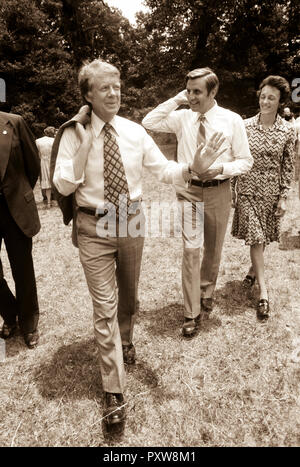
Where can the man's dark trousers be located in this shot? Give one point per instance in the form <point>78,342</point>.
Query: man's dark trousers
<point>18,247</point>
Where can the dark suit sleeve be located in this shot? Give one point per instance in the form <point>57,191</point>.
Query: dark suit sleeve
<point>30,152</point>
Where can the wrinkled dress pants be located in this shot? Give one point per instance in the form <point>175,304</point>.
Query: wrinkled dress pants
<point>202,239</point>
<point>112,268</point>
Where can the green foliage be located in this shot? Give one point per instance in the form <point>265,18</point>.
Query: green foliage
<point>242,40</point>
<point>37,69</point>
<point>44,42</point>
<point>42,45</point>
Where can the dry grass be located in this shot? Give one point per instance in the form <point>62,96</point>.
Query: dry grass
<point>235,384</point>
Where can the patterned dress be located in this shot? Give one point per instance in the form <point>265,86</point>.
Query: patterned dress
<point>270,177</point>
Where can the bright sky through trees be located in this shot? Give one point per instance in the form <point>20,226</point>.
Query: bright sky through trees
<point>128,7</point>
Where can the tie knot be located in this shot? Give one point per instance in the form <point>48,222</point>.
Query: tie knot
<point>107,127</point>
<point>201,118</point>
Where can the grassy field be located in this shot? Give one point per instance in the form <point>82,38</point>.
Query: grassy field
<point>235,384</point>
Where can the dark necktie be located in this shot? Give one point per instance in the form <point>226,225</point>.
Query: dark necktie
<point>201,132</point>
<point>115,183</point>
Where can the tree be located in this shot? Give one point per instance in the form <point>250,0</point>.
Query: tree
<point>242,40</point>
<point>42,46</point>
<point>34,65</point>
<point>44,42</point>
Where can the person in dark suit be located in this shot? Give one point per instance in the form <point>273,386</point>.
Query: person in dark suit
<point>19,222</point>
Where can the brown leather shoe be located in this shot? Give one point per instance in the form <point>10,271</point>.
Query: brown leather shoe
<point>114,410</point>
<point>8,330</point>
<point>190,326</point>
<point>263,309</point>
<point>129,354</point>
<point>31,339</point>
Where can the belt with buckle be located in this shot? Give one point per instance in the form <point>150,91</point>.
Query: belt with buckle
<point>96,213</point>
<point>208,183</point>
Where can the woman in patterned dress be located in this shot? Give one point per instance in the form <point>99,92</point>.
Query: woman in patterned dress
<point>260,195</point>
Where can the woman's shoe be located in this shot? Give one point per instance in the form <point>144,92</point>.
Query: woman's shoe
<point>248,282</point>
<point>263,309</point>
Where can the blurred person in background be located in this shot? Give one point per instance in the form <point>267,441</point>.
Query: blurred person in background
<point>288,115</point>
<point>44,145</point>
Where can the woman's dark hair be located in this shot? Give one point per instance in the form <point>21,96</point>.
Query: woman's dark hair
<point>279,83</point>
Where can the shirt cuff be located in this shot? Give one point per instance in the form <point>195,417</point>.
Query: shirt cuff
<point>227,172</point>
<point>181,175</point>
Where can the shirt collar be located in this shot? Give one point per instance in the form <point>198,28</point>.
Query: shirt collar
<point>279,123</point>
<point>97,124</point>
<point>209,114</point>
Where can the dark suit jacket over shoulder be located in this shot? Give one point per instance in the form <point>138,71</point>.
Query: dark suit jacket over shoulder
<point>66,203</point>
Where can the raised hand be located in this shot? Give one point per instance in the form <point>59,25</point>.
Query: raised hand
<point>84,136</point>
<point>80,158</point>
<point>206,155</point>
<point>181,98</point>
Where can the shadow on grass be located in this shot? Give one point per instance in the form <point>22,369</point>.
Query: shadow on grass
<point>74,373</point>
<point>113,434</point>
<point>233,299</point>
<point>143,373</point>
<point>167,321</point>
<point>289,242</point>
<point>209,324</point>
<point>164,321</point>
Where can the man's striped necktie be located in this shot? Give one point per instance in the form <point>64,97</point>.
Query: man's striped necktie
<point>201,132</point>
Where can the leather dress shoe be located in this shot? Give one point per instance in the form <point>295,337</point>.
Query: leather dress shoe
<point>248,281</point>
<point>8,330</point>
<point>263,309</point>
<point>190,326</point>
<point>31,339</point>
<point>114,410</point>
<point>129,354</point>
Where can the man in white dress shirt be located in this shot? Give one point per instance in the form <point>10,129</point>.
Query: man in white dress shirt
<point>212,188</point>
<point>84,166</point>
